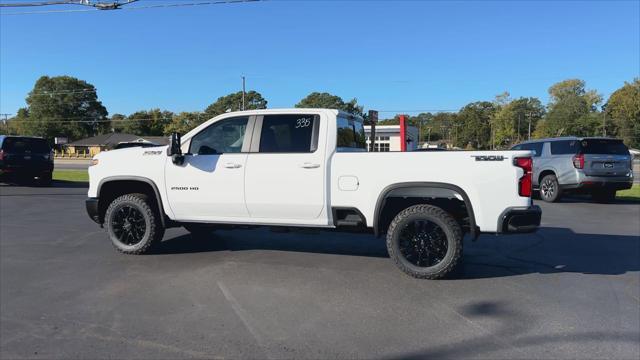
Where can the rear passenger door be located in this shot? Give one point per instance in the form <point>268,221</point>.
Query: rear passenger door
<point>285,173</point>
<point>562,153</point>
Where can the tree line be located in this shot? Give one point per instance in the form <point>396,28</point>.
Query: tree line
<point>66,106</point>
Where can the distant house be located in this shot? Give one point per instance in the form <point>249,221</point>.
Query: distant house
<point>96,144</point>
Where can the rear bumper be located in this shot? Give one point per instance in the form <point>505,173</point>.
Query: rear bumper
<point>520,220</point>
<point>92,209</point>
<point>26,170</point>
<point>599,183</point>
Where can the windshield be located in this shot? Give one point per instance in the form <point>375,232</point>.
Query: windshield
<point>21,145</point>
<point>603,146</point>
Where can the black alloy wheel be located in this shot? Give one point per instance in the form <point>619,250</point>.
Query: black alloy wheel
<point>129,225</point>
<point>423,243</point>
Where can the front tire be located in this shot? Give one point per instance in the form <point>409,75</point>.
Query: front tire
<point>132,224</point>
<point>550,189</point>
<point>425,242</point>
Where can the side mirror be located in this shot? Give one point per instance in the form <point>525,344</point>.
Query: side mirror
<point>174,150</point>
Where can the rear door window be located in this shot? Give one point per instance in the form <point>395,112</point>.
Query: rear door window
<point>603,146</point>
<point>565,147</point>
<point>536,147</point>
<point>23,145</point>
<point>289,133</point>
<point>351,135</point>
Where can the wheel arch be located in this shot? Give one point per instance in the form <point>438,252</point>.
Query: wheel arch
<point>426,188</point>
<point>546,172</point>
<point>111,187</point>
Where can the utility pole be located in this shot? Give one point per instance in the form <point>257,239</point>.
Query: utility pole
<point>604,123</point>
<point>4,121</point>
<point>519,117</point>
<point>529,136</point>
<point>243,91</point>
<point>493,136</point>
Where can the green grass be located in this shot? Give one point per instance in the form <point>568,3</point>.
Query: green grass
<point>71,175</point>
<point>630,194</point>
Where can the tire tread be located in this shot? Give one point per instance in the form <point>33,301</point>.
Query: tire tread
<point>156,231</point>
<point>449,221</point>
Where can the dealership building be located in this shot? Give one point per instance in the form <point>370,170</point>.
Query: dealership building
<point>389,137</point>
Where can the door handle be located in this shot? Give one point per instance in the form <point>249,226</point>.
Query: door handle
<point>310,166</point>
<point>232,165</point>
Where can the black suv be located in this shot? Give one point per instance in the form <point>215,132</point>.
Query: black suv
<point>25,158</point>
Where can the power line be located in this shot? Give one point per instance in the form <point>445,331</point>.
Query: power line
<point>42,3</point>
<point>118,6</point>
<point>100,5</point>
<point>219,2</point>
<point>59,121</point>
<point>418,110</point>
<point>56,92</point>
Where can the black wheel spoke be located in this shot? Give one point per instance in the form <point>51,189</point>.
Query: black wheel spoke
<point>128,225</point>
<point>423,243</point>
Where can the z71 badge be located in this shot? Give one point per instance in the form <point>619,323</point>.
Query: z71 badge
<point>489,157</point>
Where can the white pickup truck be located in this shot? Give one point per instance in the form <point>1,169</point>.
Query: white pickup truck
<point>310,168</point>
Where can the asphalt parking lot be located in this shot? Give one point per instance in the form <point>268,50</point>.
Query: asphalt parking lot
<point>572,290</point>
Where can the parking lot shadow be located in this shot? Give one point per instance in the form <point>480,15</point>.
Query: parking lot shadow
<point>262,239</point>
<point>551,250</point>
<point>585,198</point>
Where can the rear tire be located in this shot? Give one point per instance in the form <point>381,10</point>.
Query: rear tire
<point>132,224</point>
<point>603,195</point>
<point>45,180</point>
<point>425,242</point>
<point>550,189</point>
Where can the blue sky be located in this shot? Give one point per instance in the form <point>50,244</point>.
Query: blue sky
<point>391,55</point>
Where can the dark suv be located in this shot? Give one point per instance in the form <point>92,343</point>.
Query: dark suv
<point>596,165</point>
<point>25,158</point>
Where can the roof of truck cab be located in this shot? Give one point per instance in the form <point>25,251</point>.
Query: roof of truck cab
<point>287,111</point>
<point>579,138</point>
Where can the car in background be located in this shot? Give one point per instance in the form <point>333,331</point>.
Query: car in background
<point>25,158</point>
<point>596,165</point>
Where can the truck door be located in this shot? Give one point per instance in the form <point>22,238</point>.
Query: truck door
<point>285,176</point>
<point>210,183</point>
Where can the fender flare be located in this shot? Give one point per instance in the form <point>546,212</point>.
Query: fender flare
<point>382,198</point>
<point>552,169</point>
<point>148,181</point>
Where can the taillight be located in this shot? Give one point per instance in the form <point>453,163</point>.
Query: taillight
<point>578,161</point>
<point>524,184</point>
<point>1,154</point>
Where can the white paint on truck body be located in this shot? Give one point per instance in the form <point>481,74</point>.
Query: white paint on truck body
<point>300,189</point>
